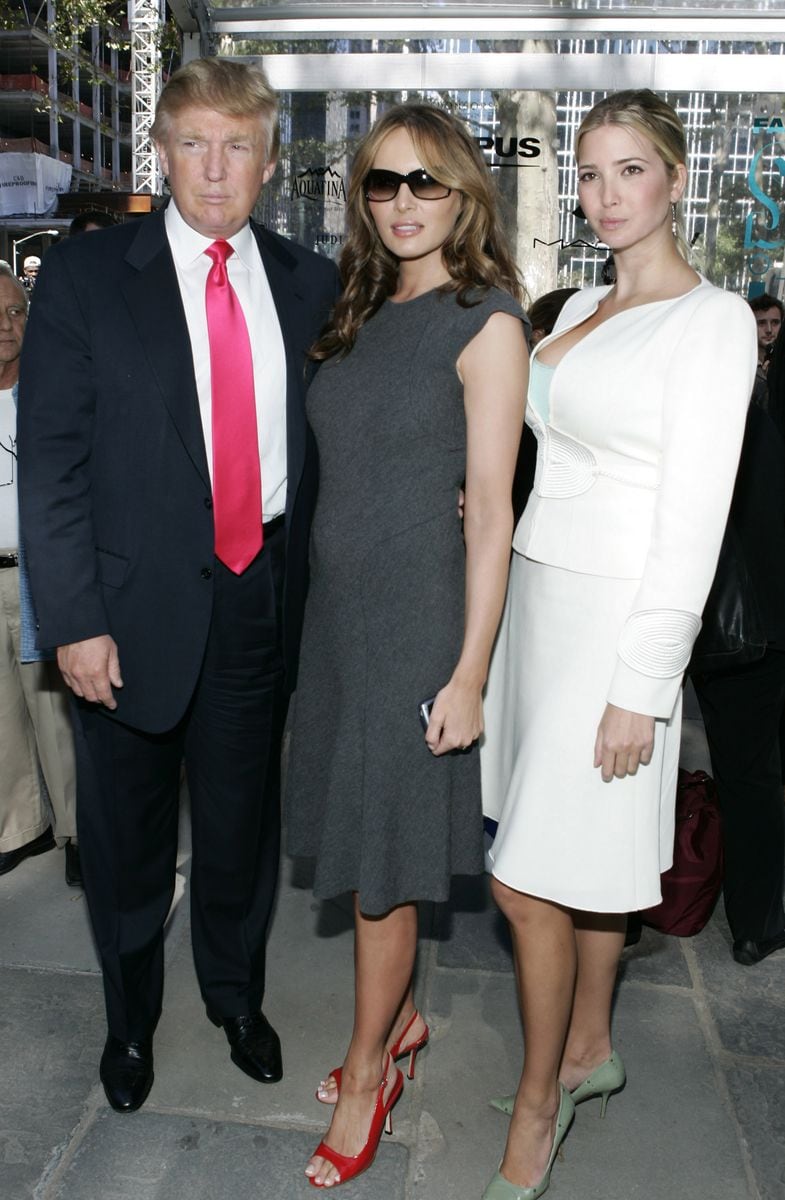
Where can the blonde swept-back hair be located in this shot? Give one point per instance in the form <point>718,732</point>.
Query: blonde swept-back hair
<point>646,113</point>
<point>476,253</point>
<point>234,88</point>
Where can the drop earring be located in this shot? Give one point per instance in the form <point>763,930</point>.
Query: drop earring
<point>674,221</point>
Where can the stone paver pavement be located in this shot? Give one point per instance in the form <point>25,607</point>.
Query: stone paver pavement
<point>702,1116</point>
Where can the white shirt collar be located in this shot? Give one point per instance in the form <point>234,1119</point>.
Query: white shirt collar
<point>187,244</point>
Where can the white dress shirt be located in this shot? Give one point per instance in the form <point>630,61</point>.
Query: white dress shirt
<point>248,278</point>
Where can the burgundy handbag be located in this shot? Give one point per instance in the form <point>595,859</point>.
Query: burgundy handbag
<point>691,887</point>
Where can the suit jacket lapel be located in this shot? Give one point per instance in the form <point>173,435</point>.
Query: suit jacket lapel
<point>289,298</point>
<point>153,297</point>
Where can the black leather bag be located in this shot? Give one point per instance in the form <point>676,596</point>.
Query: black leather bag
<point>732,633</point>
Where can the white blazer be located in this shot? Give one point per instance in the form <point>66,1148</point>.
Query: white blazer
<point>636,466</point>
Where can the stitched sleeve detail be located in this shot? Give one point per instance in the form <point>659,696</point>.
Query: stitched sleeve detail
<point>658,642</point>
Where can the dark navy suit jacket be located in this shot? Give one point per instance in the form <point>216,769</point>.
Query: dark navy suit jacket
<point>114,487</point>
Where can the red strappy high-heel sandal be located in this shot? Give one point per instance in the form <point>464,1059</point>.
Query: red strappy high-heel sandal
<point>397,1050</point>
<point>349,1166</point>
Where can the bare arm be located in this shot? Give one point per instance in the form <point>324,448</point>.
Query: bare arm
<point>494,370</point>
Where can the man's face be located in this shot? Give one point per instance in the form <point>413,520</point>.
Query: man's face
<point>31,271</point>
<point>216,165</point>
<point>768,322</point>
<point>13,316</point>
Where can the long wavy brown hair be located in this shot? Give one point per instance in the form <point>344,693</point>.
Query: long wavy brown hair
<point>476,253</point>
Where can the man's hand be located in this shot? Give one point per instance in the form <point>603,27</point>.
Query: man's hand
<point>91,669</point>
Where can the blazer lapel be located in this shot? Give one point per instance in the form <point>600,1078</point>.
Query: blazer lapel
<point>153,297</point>
<point>533,418</point>
<point>290,303</point>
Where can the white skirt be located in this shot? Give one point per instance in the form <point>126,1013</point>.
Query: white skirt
<point>563,834</point>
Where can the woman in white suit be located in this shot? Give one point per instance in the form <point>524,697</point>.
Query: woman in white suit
<point>638,401</point>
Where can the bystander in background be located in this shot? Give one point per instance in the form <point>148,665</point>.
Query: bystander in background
<point>768,312</point>
<point>90,220</point>
<point>36,745</point>
<point>742,697</point>
<point>30,269</point>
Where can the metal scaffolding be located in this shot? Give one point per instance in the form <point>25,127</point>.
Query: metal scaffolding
<point>144,20</point>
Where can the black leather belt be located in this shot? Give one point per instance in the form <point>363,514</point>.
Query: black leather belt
<point>12,560</point>
<point>270,527</point>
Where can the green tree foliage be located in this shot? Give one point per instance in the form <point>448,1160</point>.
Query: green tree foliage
<point>73,21</point>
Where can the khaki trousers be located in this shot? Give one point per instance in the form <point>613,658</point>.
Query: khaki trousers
<point>36,743</point>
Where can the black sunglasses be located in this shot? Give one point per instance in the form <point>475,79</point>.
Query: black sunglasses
<point>384,185</point>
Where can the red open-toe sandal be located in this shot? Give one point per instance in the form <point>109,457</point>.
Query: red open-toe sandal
<point>351,1165</point>
<point>399,1049</point>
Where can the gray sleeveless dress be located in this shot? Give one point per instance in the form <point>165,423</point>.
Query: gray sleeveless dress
<point>385,613</point>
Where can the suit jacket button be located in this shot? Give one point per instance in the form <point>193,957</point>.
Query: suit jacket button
<point>206,572</point>
<point>208,502</point>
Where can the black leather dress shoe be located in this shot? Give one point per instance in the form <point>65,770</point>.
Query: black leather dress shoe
<point>127,1073</point>
<point>749,953</point>
<point>256,1047</point>
<point>12,858</point>
<point>73,867</point>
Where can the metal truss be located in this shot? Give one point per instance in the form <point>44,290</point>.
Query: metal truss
<point>144,19</point>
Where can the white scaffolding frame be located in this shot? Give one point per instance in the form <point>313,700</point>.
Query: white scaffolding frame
<point>144,21</point>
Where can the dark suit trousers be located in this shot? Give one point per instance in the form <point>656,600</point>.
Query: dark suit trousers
<point>741,711</point>
<point>127,807</point>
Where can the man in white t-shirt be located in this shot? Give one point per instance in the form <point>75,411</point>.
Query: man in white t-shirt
<point>30,268</point>
<point>36,744</point>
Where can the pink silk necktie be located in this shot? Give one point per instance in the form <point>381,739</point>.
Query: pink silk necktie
<point>237,475</point>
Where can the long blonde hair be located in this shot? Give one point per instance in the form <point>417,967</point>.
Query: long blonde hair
<point>646,113</point>
<point>475,254</point>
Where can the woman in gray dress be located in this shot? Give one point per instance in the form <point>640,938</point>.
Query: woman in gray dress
<point>422,385</point>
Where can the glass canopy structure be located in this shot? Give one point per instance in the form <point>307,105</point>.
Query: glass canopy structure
<point>522,76</point>
<point>436,19</point>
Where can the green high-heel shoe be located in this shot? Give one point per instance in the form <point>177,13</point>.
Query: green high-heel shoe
<point>503,1104</point>
<point>608,1077</point>
<point>501,1189</point>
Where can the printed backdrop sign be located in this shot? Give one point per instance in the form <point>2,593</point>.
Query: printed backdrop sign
<point>30,183</point>
<point>764,231</point>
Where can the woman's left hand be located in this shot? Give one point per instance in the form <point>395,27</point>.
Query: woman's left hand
<point>456,718</point>
<point>625,741</point>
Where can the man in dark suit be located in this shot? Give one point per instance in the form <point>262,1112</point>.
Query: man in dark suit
<point>167,482</point>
